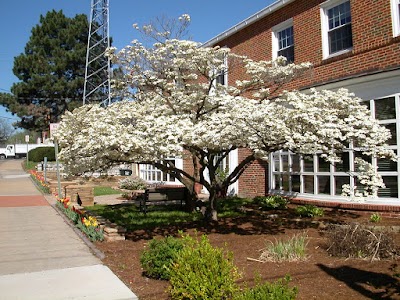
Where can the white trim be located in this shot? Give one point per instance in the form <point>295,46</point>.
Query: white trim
<point>275,30</point>
<point>395,7</point>
<point>147,171</point>
<point>247,22</point>
<point>324,7</point>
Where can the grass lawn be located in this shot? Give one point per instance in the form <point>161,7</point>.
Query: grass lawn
<point>105,190</point>
<point>131,218</point>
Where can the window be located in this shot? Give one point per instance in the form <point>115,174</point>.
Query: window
<point>336,27</point>
<point>311,176</point>
<point>283,41</point>
<point>152,174</point>
<point>396,17</point>
<point>222,74</point>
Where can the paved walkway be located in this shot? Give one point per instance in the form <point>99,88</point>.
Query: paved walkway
<point>41,256</point>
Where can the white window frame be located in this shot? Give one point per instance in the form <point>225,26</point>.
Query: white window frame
<point>275,39</point>
<point>325,28</point>
<point>395,8</point>
<point>150,173</point>
<point>225,72</point>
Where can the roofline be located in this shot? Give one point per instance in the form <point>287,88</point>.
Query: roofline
<point>247,22</point>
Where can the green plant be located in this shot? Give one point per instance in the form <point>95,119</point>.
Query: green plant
<point>293,249</point>
<point>278,290</point>
<point>39,181</point>
<point>272,202</point>
<point>309,211</point>
<point>201,271</point>
<point>375,218</point>
<point>38,154</point>
<point>132,183</point>
<point>157,259</point>
<point>88,225</point>
<point>104,190</point>
<point>93,232</point>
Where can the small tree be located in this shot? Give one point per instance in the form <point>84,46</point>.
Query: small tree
<point>176,107</point>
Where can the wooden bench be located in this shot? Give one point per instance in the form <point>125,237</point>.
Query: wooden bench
<point>162,196</point>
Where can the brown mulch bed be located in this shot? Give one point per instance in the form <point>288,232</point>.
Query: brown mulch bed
<point>319,277</point>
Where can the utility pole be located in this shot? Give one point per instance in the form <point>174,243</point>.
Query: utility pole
<point>98,67</point>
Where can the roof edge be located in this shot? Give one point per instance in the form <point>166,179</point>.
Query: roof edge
<point>247,22</point>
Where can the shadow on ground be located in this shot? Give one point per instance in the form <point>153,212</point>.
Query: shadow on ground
<point>383,285</point>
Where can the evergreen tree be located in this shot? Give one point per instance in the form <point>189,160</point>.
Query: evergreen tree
<point>51,71</point>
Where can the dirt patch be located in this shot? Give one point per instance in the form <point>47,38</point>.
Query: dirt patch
<point>320,277</point>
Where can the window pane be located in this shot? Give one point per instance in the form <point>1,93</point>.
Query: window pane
<point>392,128</point>
<point>308,184</point>
<point>296,183</point>
<point>339,182</point>
<point>390,191</point>
<point>343,166</point>
<point>367,104</point>
<point>339,15</point>
<point>285,182</point>
<point>275,157</point>
<point>308,164</point>
<point>286,44</point>
<point>340,33</point>
<point>340,39</point>
<point>288,53</point>
<point>323,165</point>
<point>324,186</point>
<point>295,163</point>
<point>277,178</point>
<point>386,165</point>
<point>385,109</point>
<point>285,163</point>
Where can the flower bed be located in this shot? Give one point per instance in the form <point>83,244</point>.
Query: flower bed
<point>87,224</point>
<point>40,182</point>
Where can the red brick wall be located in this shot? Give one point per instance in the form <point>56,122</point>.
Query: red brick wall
<point>253,181</point>
<point>374,49</point>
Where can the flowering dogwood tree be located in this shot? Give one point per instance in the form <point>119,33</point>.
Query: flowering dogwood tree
<point>175,107</point>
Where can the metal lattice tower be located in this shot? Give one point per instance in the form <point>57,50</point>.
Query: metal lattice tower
<point>98,67</point>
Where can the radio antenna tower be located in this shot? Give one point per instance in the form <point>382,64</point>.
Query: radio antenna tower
<point>98,67</point>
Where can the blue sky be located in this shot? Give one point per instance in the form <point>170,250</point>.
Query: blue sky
<point>208,19</point>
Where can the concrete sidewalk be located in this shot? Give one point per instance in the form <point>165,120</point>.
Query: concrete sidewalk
<point>41,256</point>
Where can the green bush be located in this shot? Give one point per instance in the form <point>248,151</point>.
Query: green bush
<point>203,272</point>
<point>309,211</point>
<point>38,154</point>
<point>158,258</point>
<point>375,218</point>
<point>272,202</point>
<point>278,290</point>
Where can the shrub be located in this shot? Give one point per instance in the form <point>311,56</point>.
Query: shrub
<point>375,218</point>
<point>158,258</point>
<point>309,211</point>
<point>278,290</point>
<point>360,242</point>
<point>38,154</point>
<point>132,183</point>
<point>203,272</point>
<point>290,250</point>
<point>272,202</point>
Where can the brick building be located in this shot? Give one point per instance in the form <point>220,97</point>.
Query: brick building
<point>354,44</point>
